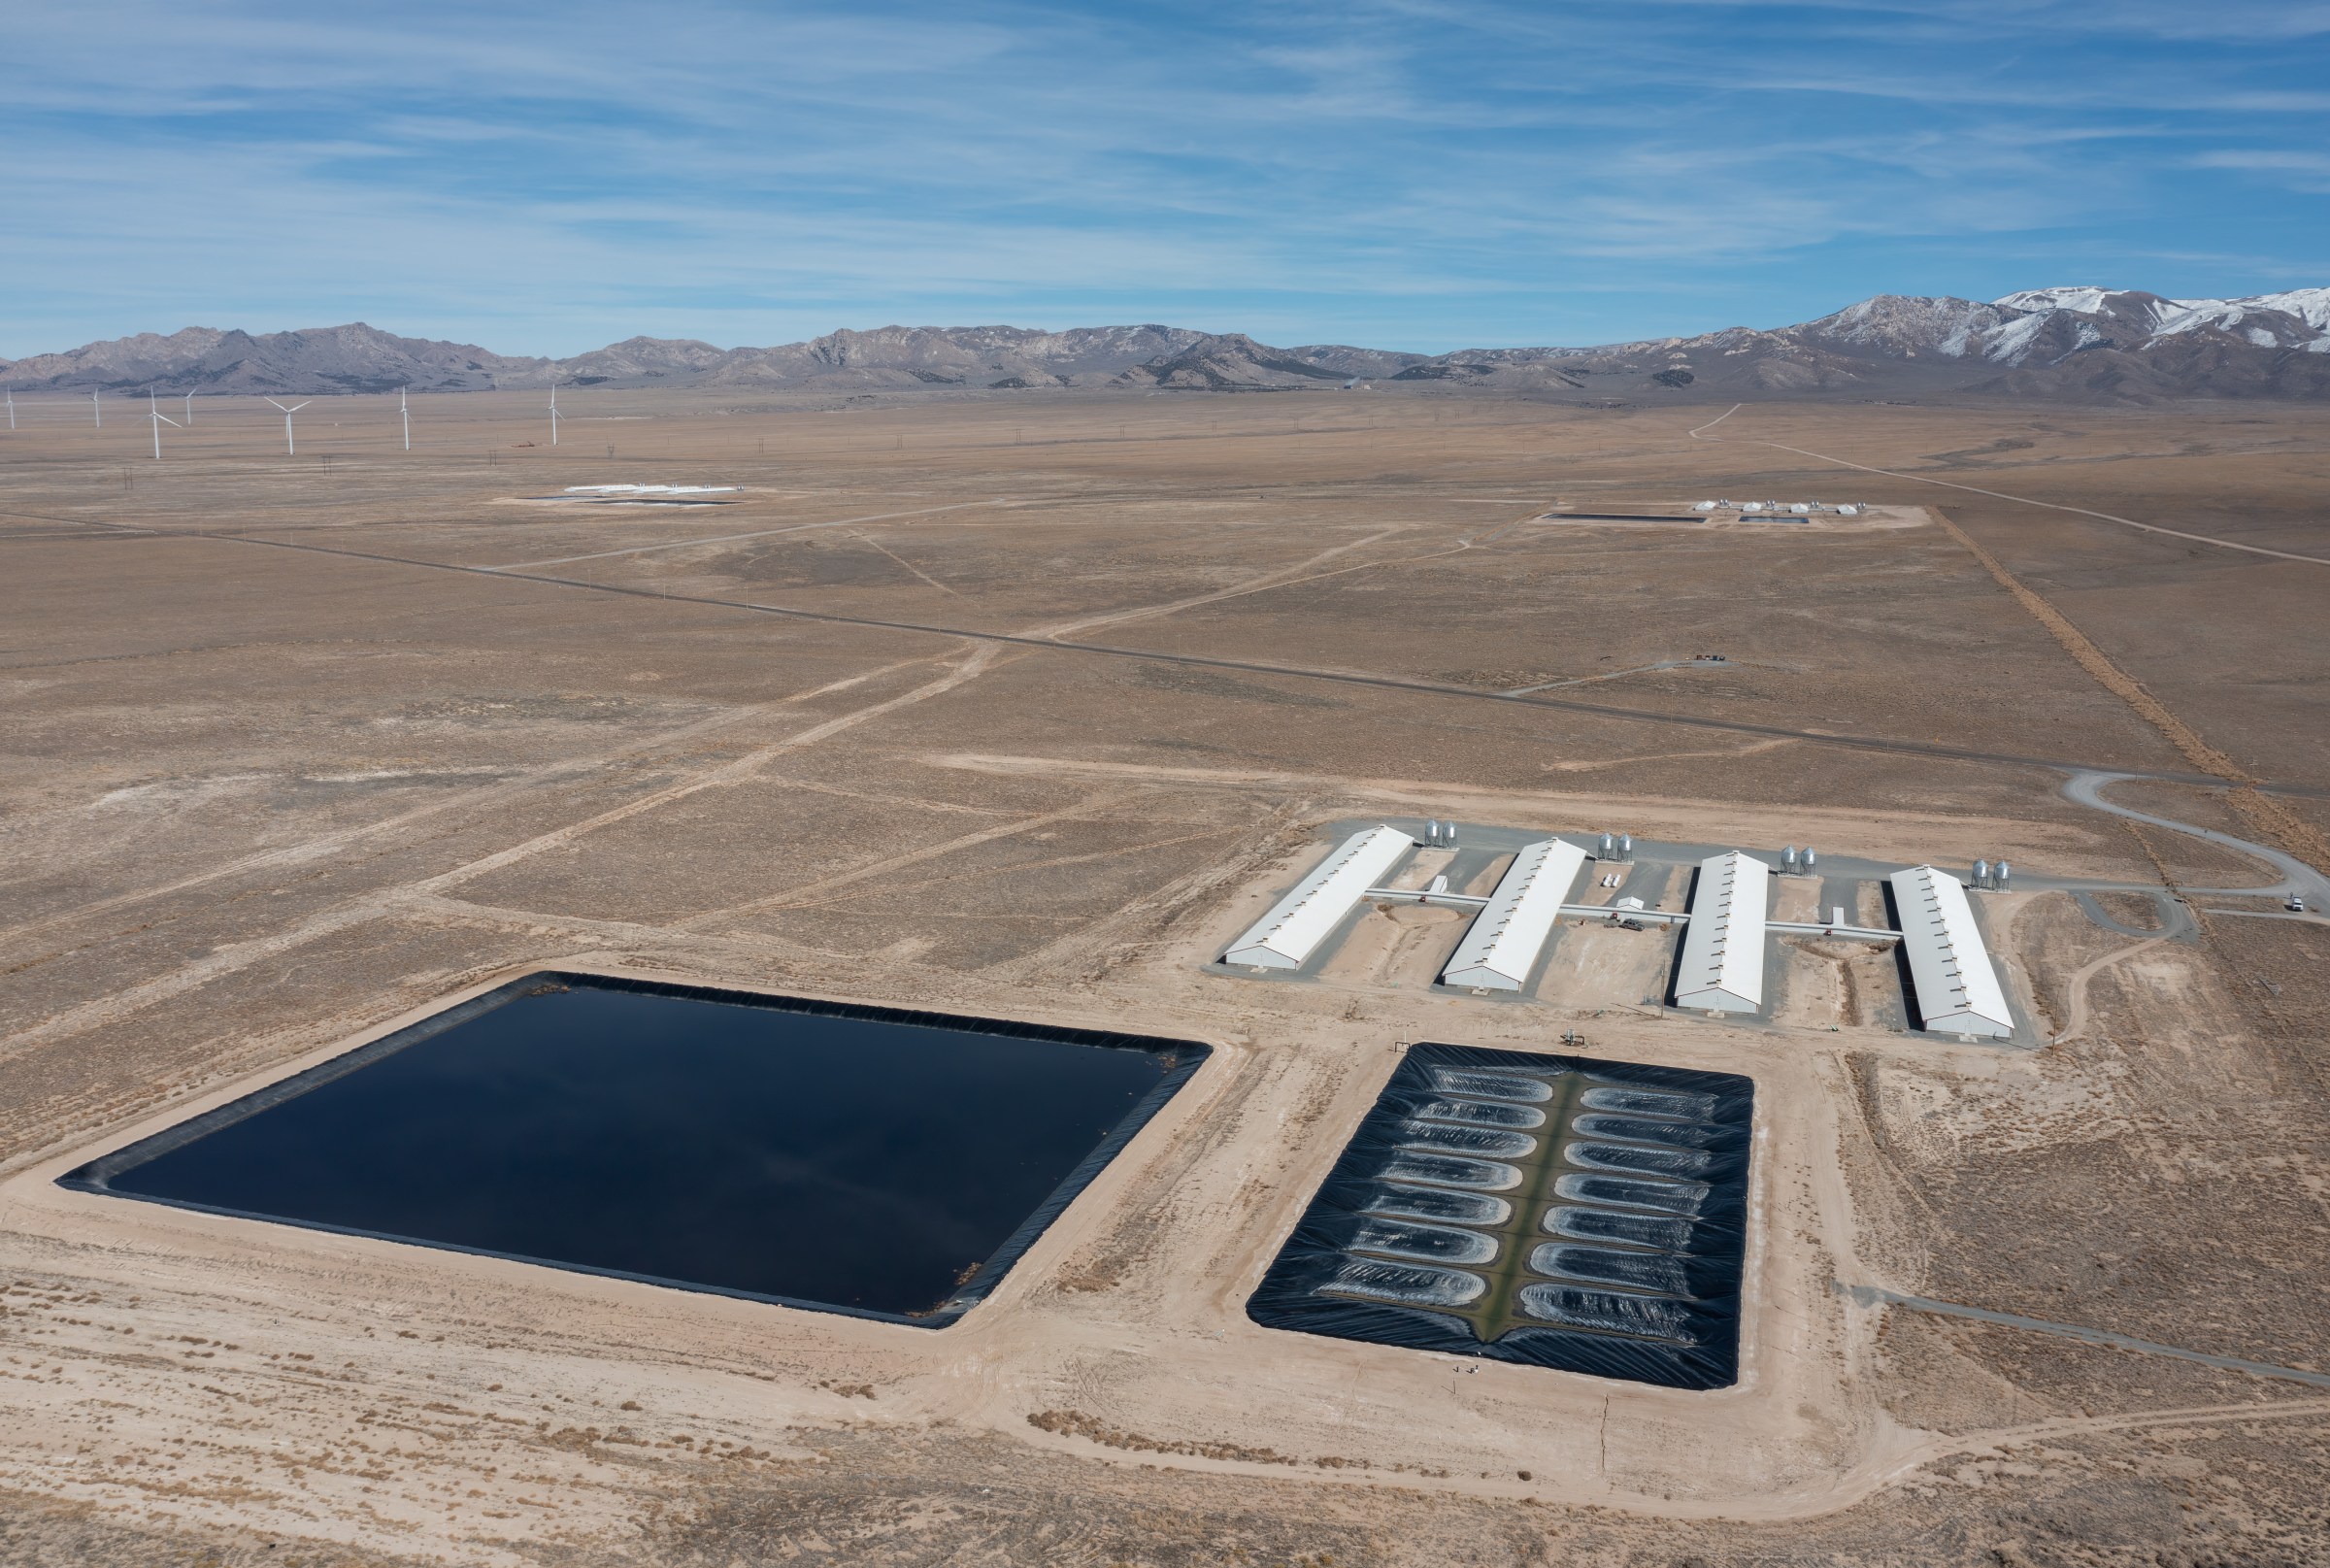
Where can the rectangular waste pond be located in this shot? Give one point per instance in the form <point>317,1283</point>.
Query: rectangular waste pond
<point>863,1161</point>
<point>1568,1212</point>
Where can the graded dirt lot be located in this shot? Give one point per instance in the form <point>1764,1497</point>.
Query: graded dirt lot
<point>1025,707</point>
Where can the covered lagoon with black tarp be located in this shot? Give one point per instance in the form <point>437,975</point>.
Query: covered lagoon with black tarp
<point>866,1160</point>
<point>1558,1211</point>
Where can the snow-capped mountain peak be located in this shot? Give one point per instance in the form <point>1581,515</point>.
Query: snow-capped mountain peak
<point>2081,341</point>
<point>2298,318</point>
<point>2081,297</point>
<point>2309,304</point>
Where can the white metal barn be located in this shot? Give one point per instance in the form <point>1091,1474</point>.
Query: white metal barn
<point>1722,969</point>
<point>1296,924</point>
<point>1502,943</point>
<point>1957,987</point>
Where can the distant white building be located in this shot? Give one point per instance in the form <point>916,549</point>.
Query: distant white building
<point>1289,935</point>
<point>1956,986</point>
<point>1722,967</point>
<point>1501,946</point>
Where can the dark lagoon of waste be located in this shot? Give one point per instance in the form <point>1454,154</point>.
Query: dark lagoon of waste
<point>1569,1213</point>
<point>867,1160</point>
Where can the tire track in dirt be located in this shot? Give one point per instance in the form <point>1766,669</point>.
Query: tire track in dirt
<point>809,891</point>
<point>2270,815</point>
<point>2074,986</point>
<point>742,767</point>
<point>1869,1295</point>
<point>1277,577</point>
<point>1998,1439</point>
<point>232,957</point>
<point>2295,832</point>
<point>871,542</point>
<point>2024,500</point>
<point>760,533</point>
<point>328,843</point>
<point>1340,677</point>
<point>1717,420</point>
<point>308,850</point>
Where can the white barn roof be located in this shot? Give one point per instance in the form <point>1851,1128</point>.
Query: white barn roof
<point>1296,924</point>
<point>1957,986</point>
<point>1501,946</point>
<point>1722,969</point>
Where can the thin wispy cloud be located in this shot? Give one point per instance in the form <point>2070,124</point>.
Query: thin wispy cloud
<point>1423,174</point>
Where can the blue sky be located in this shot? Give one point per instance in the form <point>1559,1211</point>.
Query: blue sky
<point>544,178</point>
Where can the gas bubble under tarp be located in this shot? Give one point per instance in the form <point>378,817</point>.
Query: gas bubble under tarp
<point>1561,1212</point>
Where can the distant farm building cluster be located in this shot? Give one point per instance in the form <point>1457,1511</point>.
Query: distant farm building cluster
<point>1798,509</point>
<point>1726,947</point>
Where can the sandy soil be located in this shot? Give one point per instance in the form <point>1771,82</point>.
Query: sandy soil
<point>284,768</point>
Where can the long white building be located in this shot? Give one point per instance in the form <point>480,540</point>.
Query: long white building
<point>1290,933</point>
<point>1503,943</point>
<point>1957,984</point>
<point>1723,968</point>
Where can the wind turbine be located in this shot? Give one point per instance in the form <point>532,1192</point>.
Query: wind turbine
<point>153,412</point>
<point>554,414</point>
<point>190,405</point>
<point>404,414</point>
<point>96,410</point>
<point>291,450</point>
<point>12,410</point>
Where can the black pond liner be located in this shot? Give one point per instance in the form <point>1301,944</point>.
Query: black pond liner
<point>550,1080</point>
<point>1614,1246</point>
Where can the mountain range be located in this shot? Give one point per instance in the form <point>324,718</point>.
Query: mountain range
<point>2079,343</point>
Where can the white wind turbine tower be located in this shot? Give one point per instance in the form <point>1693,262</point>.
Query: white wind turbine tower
<point>291,450</point>
<point>12,410</point>
<point>554,414</point>
<point>96,410</point>
<point>153,412</point>
<point>404,414</point>
<point>190,405</point>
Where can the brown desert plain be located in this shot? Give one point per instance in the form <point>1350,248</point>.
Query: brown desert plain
<point>1024,706</point>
